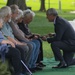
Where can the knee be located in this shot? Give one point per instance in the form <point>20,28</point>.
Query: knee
<point>53,44</point>
<point>30,46</point>
<point>37,43</point>
<point>16,52</point>
<point>26,49</point>
<point>33,44</point>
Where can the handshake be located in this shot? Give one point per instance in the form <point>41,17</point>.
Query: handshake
<point>50,35</point>
<point>44,37</point>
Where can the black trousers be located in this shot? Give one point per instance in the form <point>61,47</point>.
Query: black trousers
<point>68,51</point>
<point>40,56</point>
<point>14,56</point>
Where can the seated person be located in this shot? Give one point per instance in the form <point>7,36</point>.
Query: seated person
<point>27,18</point>
<point>13,54</point>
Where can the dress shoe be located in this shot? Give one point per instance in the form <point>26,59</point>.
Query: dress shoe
<point>63,65</point>
<point>32,70</point>
<point>41,64</point>
<point>57,66</point>
<point>37,68</point>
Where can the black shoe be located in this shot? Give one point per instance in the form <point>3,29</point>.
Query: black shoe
<point>41,64</point>
<point>61,65</point>
<point>57,66</point>
<point>38,68</point>
<point>32,70</point>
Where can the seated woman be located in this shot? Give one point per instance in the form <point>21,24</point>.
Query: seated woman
<point>12,53</point>
<point>27,17</point>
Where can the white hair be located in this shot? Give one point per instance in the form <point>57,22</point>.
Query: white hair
<point>20,14</point>
<point>14,8</point>
<point>4,11</point>
<point>28,12</point>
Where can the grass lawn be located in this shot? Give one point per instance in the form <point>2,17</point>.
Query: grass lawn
<point>35,4</point>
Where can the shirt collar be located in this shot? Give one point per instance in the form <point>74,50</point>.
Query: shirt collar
<point>55,20</point>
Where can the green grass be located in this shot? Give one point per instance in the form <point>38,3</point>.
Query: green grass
<point>35,4</point>
<point>68,4</point>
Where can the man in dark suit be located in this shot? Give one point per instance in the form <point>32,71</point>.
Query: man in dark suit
<point>64,39</point>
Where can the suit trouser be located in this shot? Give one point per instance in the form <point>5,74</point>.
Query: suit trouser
<point>67,51</point>
<point>14,56</point>
<point>68,57</point>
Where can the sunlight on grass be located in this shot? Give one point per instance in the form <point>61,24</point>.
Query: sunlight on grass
<point>35,4</point>
<point>47,50</point>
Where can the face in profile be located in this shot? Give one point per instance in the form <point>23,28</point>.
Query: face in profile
<point>28,19</point>
<point>19,20</point>
<point>15,14</point>
<point>50,17</point>
<point>1,23</point>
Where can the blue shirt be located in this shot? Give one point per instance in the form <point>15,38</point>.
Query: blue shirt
<point>3,47</point>
<point>7,30</point>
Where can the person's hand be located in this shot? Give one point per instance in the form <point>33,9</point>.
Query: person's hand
<point>12,44</point>
<point>19,43</point>
<point>44,38</point>
<point>51,34</point>
<point>38,35</point>
<point>35,37</point>
<point>8,42</point>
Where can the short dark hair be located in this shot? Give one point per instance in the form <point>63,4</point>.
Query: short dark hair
<point>52,11</point>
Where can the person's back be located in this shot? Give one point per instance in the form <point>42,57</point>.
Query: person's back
<point>64,31</point>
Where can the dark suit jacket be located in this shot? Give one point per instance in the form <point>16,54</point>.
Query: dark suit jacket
<point>64,32</point>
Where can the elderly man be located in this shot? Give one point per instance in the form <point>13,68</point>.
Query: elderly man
<point>21,36</point>
<point>64,39</point>
<point>28,16</point>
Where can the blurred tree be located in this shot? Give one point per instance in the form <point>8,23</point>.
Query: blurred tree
<point>42,7</point>
<point>20,3</point>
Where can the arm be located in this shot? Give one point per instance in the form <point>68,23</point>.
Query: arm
<point>17,32</point>
<point>15,41</point>
<point>8,42</point>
